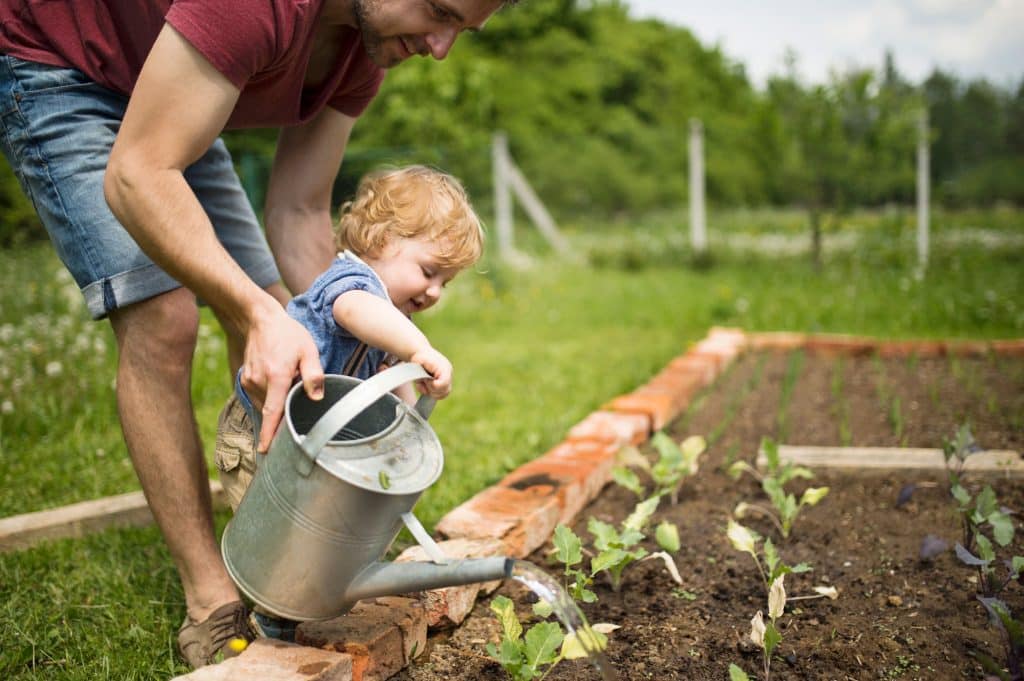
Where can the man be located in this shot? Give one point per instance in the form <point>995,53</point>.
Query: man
<point>111,115</point>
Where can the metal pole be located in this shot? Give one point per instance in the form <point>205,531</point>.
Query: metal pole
<point>698,228</point>
<point>502,195</point>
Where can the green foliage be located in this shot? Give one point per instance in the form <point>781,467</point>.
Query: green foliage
<point>676,461</point>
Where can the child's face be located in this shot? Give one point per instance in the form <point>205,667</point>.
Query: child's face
<point>412,271</point>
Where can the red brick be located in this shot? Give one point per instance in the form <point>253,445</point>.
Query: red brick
<point>969,348</point>
<point>615,428</point>
<point>681,384</point>
<point>705,367</point>
<point>657,405</point>
<point>268,659</point>
<point>911,348</point>
<point>450,605</point>
<point>573,481</point>
<point>781,341</point>
<point>521,519</point>
<point>1012,347</point>
<point>382,635</point>
<point>840,346</point>
<point>733,335</point>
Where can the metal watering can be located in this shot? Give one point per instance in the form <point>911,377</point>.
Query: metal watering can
<point>340,479</point>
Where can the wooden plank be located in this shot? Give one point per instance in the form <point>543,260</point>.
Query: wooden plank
<point>865,458</point>
<point>78,520</point>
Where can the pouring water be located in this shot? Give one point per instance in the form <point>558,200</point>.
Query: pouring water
<point>568,613</point>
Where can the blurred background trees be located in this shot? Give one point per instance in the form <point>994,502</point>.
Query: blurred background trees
<point>596,106</point>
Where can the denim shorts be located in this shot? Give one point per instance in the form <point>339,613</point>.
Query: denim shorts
<point>56,129</point>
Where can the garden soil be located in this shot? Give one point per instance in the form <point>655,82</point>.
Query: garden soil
<point>897,616</point>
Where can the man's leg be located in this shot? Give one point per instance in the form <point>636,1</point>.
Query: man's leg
<point>156,340</point>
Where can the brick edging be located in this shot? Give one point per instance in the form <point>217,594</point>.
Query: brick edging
<point>518,514</point>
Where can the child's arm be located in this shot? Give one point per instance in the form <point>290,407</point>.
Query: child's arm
<point>377,322</point>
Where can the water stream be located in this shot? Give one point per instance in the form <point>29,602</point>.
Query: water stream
<point>568,613</point>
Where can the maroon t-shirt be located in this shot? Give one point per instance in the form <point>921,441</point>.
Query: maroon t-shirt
<point>261,46</point>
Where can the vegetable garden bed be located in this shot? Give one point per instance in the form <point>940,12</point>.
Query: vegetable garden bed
<point>907,606</point>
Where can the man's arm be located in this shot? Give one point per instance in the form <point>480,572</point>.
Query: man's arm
<point>178,107</point>
<point>298,207</point>
<point>377,322</point>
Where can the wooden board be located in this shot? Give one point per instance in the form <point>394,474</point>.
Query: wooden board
<point>78,520</point>
<point>1007,462</point>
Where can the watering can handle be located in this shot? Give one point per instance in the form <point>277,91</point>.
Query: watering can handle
<point>358,399</point>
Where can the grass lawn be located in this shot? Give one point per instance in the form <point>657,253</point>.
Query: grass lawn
<point>534,350</point>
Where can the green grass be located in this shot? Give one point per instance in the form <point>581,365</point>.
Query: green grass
<point>535,351</point>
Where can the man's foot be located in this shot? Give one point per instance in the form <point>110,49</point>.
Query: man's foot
<point>269,626</point>
<point>225,633</point>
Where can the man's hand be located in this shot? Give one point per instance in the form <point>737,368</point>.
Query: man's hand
<point>438,366</point>
<point>276,349</point>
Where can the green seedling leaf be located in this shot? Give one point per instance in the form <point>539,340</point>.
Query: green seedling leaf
<point>568,547</point>
<point>985,550</point>
<point>667,536</point>
<point>739,467</point>
<point>742,538</point>
<point>985,504</point>
<point>1016,566</point>
<point>961,495</point>
<point>542,640</point>
<point>605,535</point>
<point>637,520</point>
<point>503,607</point>
<point>693,447</point>
<point>812,495</point>
<point>772,638</point>
<point>1002,527</point>
<point>630,456</point>
<point>771,454</point>
<point>608,559</point>
<point>625,477</point>
<point>385,481</point>
<point>737,674</point>
<point>542,609</point>
<point>668,451</point>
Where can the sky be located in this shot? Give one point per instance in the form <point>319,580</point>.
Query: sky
<point>971,38</point>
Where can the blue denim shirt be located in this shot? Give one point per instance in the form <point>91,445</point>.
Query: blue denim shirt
<point>314,309</point>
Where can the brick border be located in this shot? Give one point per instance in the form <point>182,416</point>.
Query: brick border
<point>518,514</point>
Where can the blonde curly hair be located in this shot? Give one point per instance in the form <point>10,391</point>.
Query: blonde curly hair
<point>411,202</point>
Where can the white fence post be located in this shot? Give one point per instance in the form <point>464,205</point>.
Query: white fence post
<point>509,179</point>
<point>698,226</point>
<point>923,187</point>
<point>502,196</point>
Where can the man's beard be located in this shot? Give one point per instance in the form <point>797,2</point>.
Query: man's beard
<point>372,38</point>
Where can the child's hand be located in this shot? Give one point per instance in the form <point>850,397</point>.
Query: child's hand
<point>438,366</point>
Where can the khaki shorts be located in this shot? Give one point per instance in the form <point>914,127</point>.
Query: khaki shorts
<point>235,451</point>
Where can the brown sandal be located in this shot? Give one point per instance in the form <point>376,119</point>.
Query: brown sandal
<point>225,633</point>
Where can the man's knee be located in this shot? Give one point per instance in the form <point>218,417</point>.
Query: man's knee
<point>161,331</point>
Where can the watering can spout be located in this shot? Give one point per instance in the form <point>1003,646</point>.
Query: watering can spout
<point>389,579</point>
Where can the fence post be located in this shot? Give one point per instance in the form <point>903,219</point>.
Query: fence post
<point>698,227</point>
<point>923,187</point>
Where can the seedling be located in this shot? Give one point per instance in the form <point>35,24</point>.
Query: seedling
<point>772,482</point>
<point>618,548</point>
<point>977,514</point>
<point>569,552</point>
<point>675,463</point>
<point>1012,630</point>
<point>545,645</point>
<point>746,540</point>
<point>956,451</point>
<point>765,635</point>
